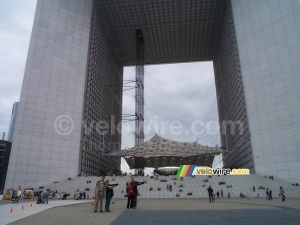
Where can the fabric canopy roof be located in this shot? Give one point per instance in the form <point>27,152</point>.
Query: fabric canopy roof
<point>161,152</point>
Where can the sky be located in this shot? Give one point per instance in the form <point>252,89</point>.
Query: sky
<point>16,19</point>
<point>180,104</point>
<point>180,99</point>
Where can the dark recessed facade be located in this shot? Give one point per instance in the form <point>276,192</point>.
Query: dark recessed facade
<point>5,147</point>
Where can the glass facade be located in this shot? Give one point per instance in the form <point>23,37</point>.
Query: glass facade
<point>12,123</point>
<point>5,149</point>
<point>102,104</point>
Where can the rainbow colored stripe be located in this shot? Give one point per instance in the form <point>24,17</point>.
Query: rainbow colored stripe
<point>185,170</point>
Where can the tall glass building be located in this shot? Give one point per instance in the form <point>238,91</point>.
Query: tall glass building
<point>5,148</point>
<point>71,100</point>
<point>12,123</point>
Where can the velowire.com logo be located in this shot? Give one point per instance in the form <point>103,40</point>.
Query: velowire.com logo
<point>190,170</point>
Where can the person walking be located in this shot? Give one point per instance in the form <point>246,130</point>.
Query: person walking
<point>210,194</point>
<point>135,184</point>
<point>109,194</point>
<point>221,193</point>
<point>100,191</point>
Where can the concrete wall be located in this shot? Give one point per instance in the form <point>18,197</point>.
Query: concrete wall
<point>268,34</point>
<point>53,85</point>
<point>12,123</point>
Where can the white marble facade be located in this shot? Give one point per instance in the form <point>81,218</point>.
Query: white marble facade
<point>268,38</point>
<point>53,85</point>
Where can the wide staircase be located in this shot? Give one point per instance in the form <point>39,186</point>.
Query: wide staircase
<point>233,185</point>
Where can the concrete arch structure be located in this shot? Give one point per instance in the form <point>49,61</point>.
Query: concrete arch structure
<point>71,92</point>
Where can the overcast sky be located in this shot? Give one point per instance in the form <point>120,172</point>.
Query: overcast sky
<point>177,96</point>
<point>180,98</point>
<point>16,18</point>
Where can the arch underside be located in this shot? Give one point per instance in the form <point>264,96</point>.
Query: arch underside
<point>173,32</point>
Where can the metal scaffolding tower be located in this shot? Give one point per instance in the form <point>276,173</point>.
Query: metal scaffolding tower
<point>139,97</point>
<point>139,89</point>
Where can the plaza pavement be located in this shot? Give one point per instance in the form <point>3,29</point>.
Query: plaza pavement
<point>157,211</point>
<point>10,212</point>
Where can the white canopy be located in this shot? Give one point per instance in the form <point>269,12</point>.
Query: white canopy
<point>161,152</point>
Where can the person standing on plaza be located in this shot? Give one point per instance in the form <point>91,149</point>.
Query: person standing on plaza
<point>135,184</point>
<point>18,195</point>
<point>109,194</point>
<point>100,191</point>
<point>267,194</point>
<point>130,195</point>
<point>45,196</point>
<point>218,194</point>
<point>210,194</point>
<point>270,195</point>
